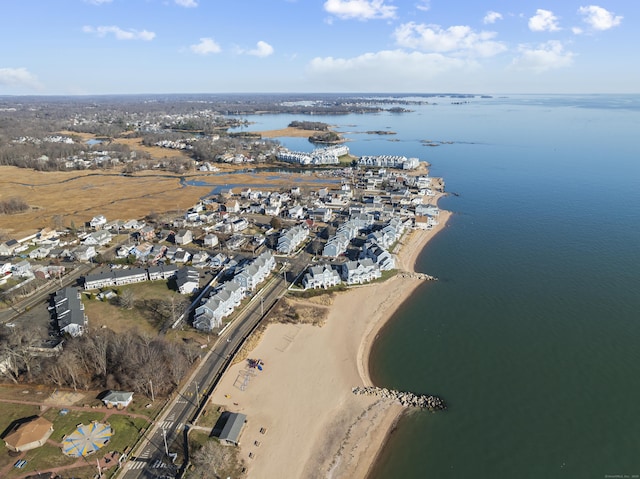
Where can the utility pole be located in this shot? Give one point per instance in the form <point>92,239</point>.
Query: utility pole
<point>151,385</point>
<point>164,436</point>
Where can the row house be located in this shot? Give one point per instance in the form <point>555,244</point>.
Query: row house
<point>129,276</point>
<point>104,279</point>
<point>290,239</point>
<point>221,304</point>
<point>256,272</point>
<point>70,311</point>
<point>336,246</point>
<point>389,161</point>
<point>360,272</point>
<point>164,271</point>
<point>321,276</point>
<point>379,255</point>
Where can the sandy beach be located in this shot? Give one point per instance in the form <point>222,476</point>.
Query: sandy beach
<point>312,425</point>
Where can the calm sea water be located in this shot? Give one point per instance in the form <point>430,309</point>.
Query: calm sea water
<point>532,334</point>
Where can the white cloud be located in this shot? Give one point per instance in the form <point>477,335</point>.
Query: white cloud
<point>98,2</point>
<point>386,70</point>
<point>424,5</point>
<point>205,47</point>
<point>119,33</point>
<point>543,21</point>
<point>19,77</point>
<point>187,3</point>
<point>598,18</point>
<point>577,30</point>
<point>263,49</point>
<point>360,9</point>
<point>491,17</point>
<point>456,39</point>
<point>547,56</point>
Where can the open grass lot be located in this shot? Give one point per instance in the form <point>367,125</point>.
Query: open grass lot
<point>120,320</point>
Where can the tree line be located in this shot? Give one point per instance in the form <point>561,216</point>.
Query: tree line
<point>100,359</point>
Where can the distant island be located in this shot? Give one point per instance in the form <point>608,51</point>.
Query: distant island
<point>381,132</point>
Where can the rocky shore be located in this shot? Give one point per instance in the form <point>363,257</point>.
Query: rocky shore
<point>405,399</point>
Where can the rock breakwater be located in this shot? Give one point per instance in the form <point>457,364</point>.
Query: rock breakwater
<point>406,399</point>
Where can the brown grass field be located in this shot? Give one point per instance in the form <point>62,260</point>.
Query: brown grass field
<point>77,196</point>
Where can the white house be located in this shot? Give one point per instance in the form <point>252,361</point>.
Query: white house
<point>183,237</point>
<point>360,272</point>
<point>97,222</point>
<point>221,304</point>
<point>98,238</point>
<point>84,252</point>
<point>117,399</point>
<point>22,269</point>
<point>188,280</point>
<point>211,240</point>
<point>321,276</point>
<point>256,272</point>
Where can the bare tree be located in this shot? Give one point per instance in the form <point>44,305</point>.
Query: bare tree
<point>215,461</point>
<point>126,298</point>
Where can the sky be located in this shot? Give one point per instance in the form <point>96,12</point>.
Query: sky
<point>95,47</point>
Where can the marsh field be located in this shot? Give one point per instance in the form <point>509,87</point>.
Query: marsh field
<point>66,197</point>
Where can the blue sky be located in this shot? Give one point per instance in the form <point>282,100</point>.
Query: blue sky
<point>64,47</point>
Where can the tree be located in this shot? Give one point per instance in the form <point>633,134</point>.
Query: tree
<point>214,461</point>
<point>275,223</point>
<point>126,298</point>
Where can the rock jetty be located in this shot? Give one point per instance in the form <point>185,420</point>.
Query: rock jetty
<point>422,276</point>
<point>406,399</point>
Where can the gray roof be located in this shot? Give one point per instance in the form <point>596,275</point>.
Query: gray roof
<point>117,396</point>
<point>232,427</point>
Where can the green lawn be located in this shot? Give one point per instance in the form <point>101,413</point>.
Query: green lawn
<point>41,459</point>
<point>66,424</point>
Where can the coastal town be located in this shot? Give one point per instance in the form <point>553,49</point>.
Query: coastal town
<point>211,275</point>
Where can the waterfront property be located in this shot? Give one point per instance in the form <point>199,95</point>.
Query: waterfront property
<point>321,276</point>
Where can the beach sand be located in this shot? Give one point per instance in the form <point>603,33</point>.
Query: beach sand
<point>313,425</point>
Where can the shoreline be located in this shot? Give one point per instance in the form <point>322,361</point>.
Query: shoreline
<point>316,426</point>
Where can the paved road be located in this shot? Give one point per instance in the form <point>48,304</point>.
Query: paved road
<point>150,458</point>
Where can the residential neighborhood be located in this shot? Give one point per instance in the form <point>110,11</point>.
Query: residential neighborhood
<point>203,271</point>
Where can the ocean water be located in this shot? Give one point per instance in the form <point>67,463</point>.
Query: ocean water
<point>532,334</point>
